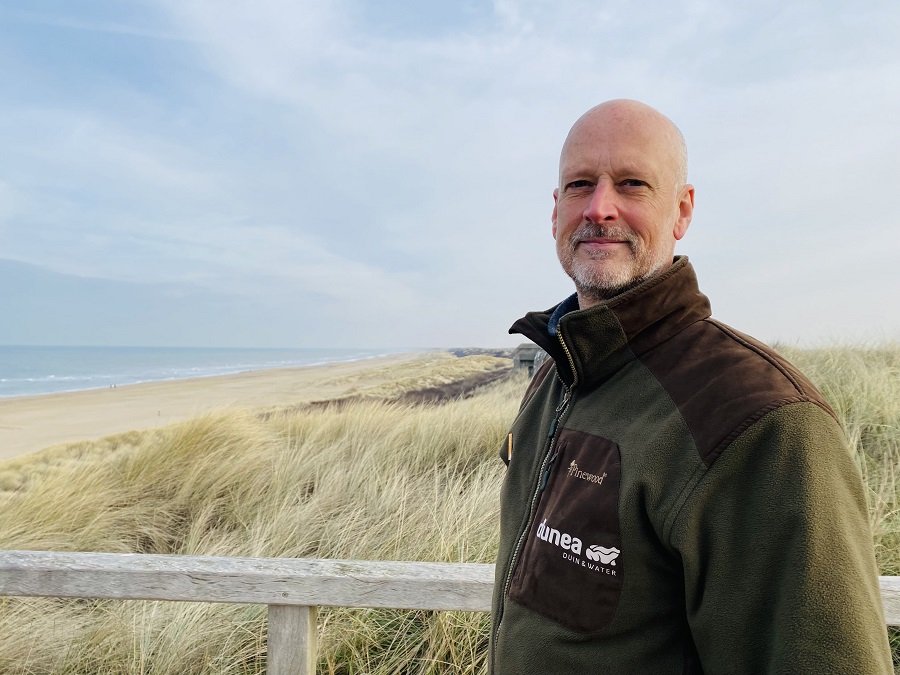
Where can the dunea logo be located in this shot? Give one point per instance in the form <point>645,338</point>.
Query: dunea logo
<point>562,539</point>
<point>605,555</point>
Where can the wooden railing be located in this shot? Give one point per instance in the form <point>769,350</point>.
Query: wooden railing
<point>291,587</point>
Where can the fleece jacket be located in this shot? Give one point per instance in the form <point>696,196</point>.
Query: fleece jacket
<point>678,499</point>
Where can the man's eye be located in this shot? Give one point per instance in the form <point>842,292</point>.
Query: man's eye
<point>632,182</point>
<point>575,184</point>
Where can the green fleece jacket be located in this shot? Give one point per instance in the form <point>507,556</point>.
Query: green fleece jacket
<point>678,499</point>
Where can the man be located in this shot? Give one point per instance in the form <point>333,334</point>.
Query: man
<point>678,498</point>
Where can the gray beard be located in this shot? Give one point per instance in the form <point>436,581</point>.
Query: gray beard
<point>595,285</point>
<point>594,294</point>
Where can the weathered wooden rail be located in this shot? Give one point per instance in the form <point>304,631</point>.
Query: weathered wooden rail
<point>292,588</point>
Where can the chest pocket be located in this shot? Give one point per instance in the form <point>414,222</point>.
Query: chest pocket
<point>571,568</point>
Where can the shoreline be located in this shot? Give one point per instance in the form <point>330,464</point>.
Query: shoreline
<point>34,422</point>
<point>150,364</point>
<point>172,380</point>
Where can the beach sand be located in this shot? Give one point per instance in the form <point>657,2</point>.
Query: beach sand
<point>31,423</point>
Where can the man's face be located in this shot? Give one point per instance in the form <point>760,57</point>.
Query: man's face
<point>619,207</point>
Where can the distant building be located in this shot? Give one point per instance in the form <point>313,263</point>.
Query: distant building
<point>528,356</point>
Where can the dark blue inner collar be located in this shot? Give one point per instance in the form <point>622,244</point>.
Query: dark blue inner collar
<point>570,304</point>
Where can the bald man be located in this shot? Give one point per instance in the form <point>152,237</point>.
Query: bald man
<point>678,499</point>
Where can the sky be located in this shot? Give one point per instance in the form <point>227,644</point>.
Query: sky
<point>379,174</point>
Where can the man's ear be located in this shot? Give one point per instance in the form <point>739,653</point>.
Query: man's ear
<point>685,210</point>
<point>553,215</point>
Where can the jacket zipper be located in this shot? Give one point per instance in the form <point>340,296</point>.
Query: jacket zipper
<point>543,475</point>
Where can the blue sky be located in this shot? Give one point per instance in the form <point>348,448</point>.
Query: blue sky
<point>276,173</point>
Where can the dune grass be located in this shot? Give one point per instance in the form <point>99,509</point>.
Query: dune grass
<point>368,479</point>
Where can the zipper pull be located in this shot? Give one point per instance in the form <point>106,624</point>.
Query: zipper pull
<point>567,394</point>
<point>551,432</point>
<point>546,475</point>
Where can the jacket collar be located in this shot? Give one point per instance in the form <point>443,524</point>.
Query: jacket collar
<point>588,345</point>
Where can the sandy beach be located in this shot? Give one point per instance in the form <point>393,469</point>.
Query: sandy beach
<point>31,423</point>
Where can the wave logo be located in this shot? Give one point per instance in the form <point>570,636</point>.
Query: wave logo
<point>605,555</point>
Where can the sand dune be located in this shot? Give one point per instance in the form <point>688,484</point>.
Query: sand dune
<point>30,423</point>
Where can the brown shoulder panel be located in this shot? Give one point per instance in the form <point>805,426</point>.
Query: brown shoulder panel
<point>536,381</point>
<point>723,381</point>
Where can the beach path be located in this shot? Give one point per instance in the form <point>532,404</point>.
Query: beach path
<point>31,423</point>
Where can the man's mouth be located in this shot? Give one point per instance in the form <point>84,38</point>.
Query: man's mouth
<point>600,243</point>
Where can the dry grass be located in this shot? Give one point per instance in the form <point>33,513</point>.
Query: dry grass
<point>368,479</point>
<point>405,377</point>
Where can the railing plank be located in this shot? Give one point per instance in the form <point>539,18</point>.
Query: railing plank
<point>890,599</point>
<point>268,581</point>
<point>291,640</point>
<point>272,581</point>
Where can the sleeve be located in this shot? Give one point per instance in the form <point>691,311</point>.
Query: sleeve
<point>777,552</point>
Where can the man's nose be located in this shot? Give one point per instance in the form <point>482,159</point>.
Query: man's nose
<point>603,204</point>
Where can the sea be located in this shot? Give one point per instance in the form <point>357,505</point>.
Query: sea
<point>27,371</point>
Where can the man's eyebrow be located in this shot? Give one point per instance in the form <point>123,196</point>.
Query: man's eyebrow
<point>578,172</point>
<point>625,170</point>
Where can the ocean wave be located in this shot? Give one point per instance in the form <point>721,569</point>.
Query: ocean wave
<point>26,371</point>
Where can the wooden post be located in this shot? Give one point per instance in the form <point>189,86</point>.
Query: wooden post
<point>291,640</point>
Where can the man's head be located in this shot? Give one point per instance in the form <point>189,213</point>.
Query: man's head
<point>622,201</point>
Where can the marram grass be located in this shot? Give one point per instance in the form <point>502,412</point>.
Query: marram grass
<point>365,480</point>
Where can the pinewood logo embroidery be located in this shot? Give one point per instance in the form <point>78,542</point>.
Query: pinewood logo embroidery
<point>583,475</point>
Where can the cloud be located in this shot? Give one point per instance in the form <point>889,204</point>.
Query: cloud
<point>398,175</point>
<point>93,26</point>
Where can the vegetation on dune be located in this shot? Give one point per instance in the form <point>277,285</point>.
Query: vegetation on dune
<point>368,479</point>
